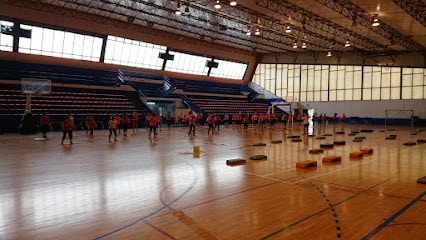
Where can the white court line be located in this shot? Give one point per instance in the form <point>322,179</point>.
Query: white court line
<point>256,175</point>
<point>288,170</point>
<point>340,169</point>
<point>305,179</point>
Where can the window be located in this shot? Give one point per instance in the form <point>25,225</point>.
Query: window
<point>336,83</point>
<point>187,63</point>
<point>6,40</point>
<point>226,69</point>
<point>133,53</point>
<point>56,43</point>
<point>413,83</point>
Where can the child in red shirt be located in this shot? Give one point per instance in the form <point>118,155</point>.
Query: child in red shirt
<point>153,125</point>
<point>44,124</point>
<point>67,126</point>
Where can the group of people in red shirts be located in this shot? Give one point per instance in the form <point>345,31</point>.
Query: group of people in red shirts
<point>67,126</point>
<point>124,122</point>
<point>117,122</point>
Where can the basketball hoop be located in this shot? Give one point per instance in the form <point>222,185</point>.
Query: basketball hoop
<point>32,86</point>
<point>35,86</point>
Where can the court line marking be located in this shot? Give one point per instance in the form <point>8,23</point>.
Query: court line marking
<point>323,210</point>
<point>267,176</point>
<point>229,195</point>
<point>287,170</point>
<point>194,180</point>
<point>337,170</point>
<point>333,210</point>
<point>159,230</point>
<point>194,226</point>
<point>393,217</point>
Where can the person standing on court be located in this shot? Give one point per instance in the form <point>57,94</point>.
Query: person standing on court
<point>90,124</point>
<point>290,121</point>
<point>44,124</point>
<point>153,125</point>
<point>284,120</point>
<point>158,120</point>
<point>191,123</point>
<point>112,126</point>
<point>324,119</point>
<point>126,122</point>
<point>343,118</point>
<point>246,120</point>
<point>169,119</point>
<point>119,124</point>
<point>210,123</point>
<point>305,122</point>
<point>67,127</point>
<point>335,118</point>
<point>135,121</point>
<point>226,120</point>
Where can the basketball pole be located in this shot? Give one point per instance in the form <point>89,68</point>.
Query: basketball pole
<point>28,104</point>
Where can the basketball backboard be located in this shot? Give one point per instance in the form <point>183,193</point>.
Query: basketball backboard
<point>36,86</point>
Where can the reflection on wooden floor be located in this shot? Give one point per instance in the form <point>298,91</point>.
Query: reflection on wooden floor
<point>141,188</point>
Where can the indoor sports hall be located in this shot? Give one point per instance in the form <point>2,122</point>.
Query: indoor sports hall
<point>212,119</point>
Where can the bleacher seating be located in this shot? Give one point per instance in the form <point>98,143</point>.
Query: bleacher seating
<point>228,105</point>
<point>101,92</point>
<point>62,101</point>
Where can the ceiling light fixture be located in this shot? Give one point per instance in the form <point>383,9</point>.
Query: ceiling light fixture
<point>304,45</point>
<point>257,32</point>
<point>329,54</point>
<point>347,44</point>
<point>248,33</point>
<point>375,22</point>
<point>217,5</point>
<point>288,29</point>
<point>178,12</point>
<point>233,3</point>
<point>295,45</point>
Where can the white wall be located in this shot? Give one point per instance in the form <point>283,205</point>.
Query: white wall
<point>373,109</point>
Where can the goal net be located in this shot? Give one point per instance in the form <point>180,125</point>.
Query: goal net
<point>399,117</point>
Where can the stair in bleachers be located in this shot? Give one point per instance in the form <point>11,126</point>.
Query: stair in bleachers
<point>150,85</point>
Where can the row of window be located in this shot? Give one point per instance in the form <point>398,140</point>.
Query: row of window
<point>296,82</point>
<point>120,51</point>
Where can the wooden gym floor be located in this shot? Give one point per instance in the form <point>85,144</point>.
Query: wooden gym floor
<point>141,188</point>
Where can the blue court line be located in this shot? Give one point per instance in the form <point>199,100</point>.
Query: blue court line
<point>323,210</point>
<point>154,212</point>
<point>333,210</point>
<point>389,220</point>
